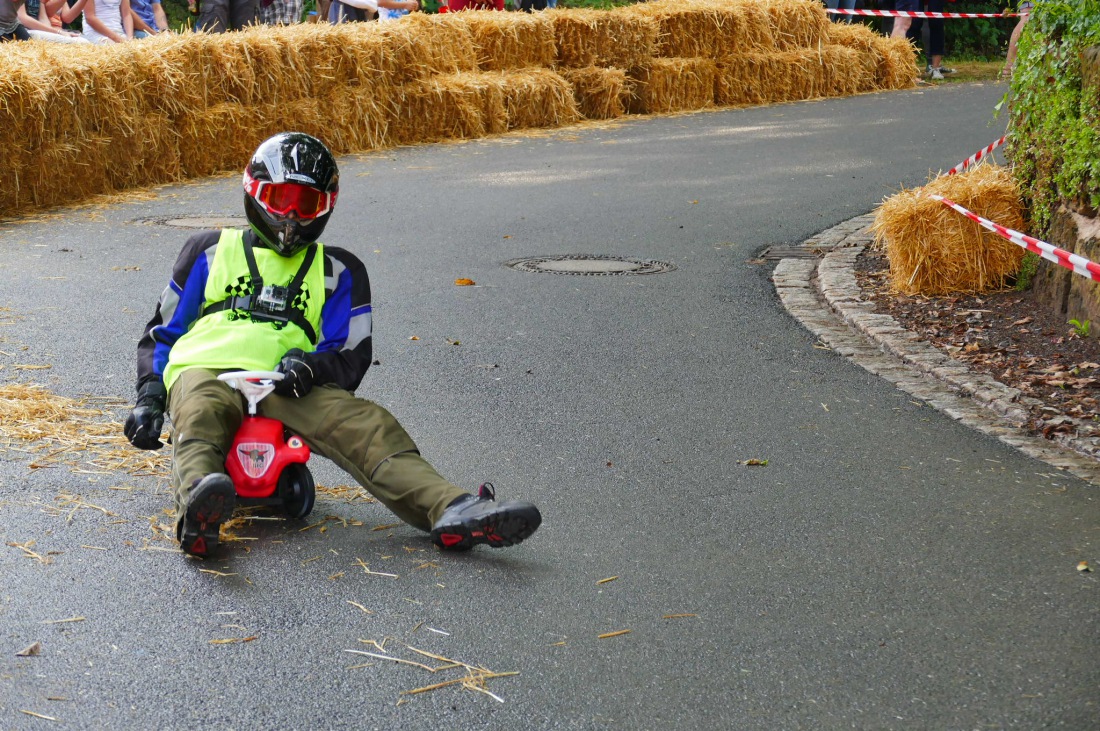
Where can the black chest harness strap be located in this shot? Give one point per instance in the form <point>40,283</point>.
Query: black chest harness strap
<point>270,303</point>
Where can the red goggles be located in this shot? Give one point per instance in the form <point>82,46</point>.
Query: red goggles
<point>279,199</point>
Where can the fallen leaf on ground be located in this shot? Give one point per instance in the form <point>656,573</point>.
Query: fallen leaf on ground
<point>30,650</point>
<point>755,463</point>
<point>1083,566</point>
<point>464,282</point>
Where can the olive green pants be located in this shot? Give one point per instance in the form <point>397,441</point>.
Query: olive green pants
<point>360,436</point>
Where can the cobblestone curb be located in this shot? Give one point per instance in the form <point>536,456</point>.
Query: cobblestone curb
<point>825,297</point>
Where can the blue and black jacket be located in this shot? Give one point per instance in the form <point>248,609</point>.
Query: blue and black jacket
<point>343,352</point>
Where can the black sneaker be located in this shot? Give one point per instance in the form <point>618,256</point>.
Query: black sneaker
<point>475,519</point>
<point>210,503</point>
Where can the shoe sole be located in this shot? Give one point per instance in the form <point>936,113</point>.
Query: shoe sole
<point>505,527</point>
<point>202,526</point>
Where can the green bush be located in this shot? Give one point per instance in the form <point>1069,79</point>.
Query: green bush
<point>176,12</point>
<point>1056,127</point>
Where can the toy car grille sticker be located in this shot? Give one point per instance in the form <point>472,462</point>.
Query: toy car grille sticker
<point>255,457</point>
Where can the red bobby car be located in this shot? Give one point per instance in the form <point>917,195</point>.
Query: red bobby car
<point>266,462</point>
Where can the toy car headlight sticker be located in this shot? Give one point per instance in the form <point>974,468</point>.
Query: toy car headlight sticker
<point>294,442</point>
<point>255,457</point>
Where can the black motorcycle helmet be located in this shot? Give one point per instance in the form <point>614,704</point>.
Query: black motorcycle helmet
<point>290,189</point>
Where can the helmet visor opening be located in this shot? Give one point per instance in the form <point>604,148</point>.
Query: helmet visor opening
<point>279,199</point>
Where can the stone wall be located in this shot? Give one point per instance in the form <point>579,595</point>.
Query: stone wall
<point>1071,295</point>
<point>1075,227</point>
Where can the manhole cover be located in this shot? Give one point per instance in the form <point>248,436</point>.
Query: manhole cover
<point>588,265</point>
<point>198,221</point>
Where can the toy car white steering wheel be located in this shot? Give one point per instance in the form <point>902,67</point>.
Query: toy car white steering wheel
<point>255,385</point>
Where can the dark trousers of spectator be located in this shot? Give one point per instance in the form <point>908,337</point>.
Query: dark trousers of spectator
<point>218,16</point>
<point>528,5</point>
<point>935,44</point>
<point>19,34</point>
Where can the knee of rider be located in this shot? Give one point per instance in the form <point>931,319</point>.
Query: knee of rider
<point>378,469</point>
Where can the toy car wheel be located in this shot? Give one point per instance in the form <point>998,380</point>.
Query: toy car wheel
<point>298,491</point>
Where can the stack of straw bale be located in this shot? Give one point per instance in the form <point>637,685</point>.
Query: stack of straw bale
<point>526,41</point>
<point>593,51</point>
<point>934,250</point>
<point>79,121</point>
<point>672,84</point>
<point>882,63</point>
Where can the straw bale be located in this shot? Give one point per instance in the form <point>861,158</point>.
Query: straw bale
<point>170,81</point>
<point>148,153</point>
<point>95,93</point>
<point>359,118</point>
<point>300,115</point>
<point>224,66</point>
<point>846,71</point>
<point>57,171</point>
<point>329,57</point>
<point>73,116</point>
<point>351,119</point>
<point>450,106</point>
<point>160,161</point>
<point>537,98</point>
<point>600,93</point>
<point>891,61</point>
<point>508,40</point>
<point>616,38</point>
<point>805,74</point>
<point>422,45</point>
<point>218,139</point>
<point>898,68</point>
<point>672,84</point>
<point>281,69</point>
<point>796,23</point>
<point>859,38</point>
<point>933,250</point>
<point>468,105</point>
<point>30,99</point>
<point>767,78</point>
<point>852,35</point>
<point>744,80</point>
<point>707,28</point>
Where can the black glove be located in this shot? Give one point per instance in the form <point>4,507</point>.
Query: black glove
<point>144,423</point>
<point>297,374</point>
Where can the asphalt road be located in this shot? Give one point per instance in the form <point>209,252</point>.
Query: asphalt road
<point>887,568</point>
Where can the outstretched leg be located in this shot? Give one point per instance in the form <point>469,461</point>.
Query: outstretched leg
<point>368,443</point>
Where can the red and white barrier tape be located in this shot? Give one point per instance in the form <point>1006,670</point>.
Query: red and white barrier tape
<point>979,155</point>
<point>917,14</point>
<point>1078,264</point>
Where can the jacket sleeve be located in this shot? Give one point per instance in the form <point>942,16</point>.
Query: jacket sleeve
<point>179,306</point>
<point>343,354</point>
